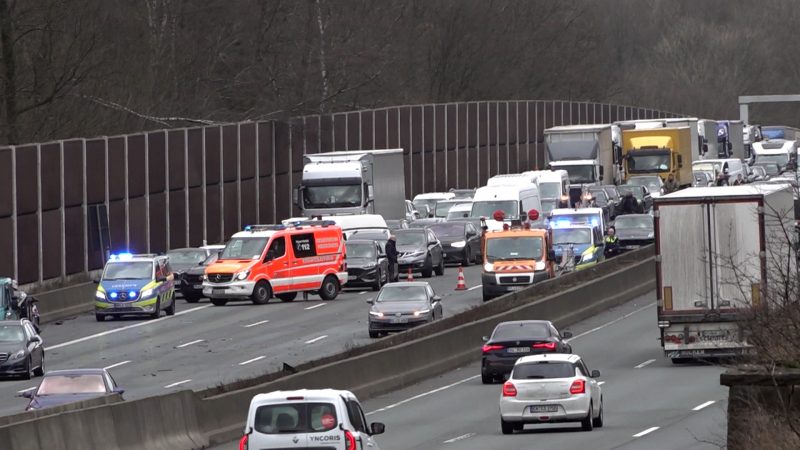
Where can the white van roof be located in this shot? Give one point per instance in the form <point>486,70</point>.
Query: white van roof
<point>435,196</point>
<point>508,192</point>
<point>512,179</point>
<point>312,395</point>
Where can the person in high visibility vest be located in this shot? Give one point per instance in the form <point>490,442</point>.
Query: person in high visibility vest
<point>611,243</point>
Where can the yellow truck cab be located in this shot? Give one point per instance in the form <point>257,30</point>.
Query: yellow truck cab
<point>658,151</point>
<point>515,257</point>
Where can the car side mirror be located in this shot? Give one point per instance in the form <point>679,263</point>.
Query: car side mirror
<point>370,302</point>
<point>119,391</point>
<point>96,280</point>
<point>27,394</point>
<point>566,334</point>
<point>595,374</point>
<point>36,339</point>
<point>485,339</point>
<point>376,428</point>
<point>436,298</point>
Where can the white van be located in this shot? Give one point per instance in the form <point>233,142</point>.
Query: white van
<point>352,223</point>
<point>308,418</point>
<point>515,201</point>
<point>429,200</point>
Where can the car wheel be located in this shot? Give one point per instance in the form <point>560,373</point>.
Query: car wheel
<point>100,317</point>
<point>170,310</point>
<point>586,424</point>
<point>261,293</point>
<point>157,312</point>
<point>191,298</point>
<point>219,301</point>
<point>598,422</point>
<point>287,296</point>
<point>330,288</point>
<point>440,267</point>
<point>427,270</point>
<point>506,427</point>
<point>374,334</point>
<point>487,296</point>
<point>27,375</point>
<point>486,378</point>
<point>378,281</point>
<point>40,371</point>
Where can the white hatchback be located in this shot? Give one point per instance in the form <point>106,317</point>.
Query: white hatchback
<point>308,418</point>
<point>551,388</point>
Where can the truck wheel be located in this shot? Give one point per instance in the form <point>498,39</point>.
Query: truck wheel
<point>261,293</point>
<point>440,268</point>
<point>330,288</point>
<point>287,296</point>
<point>427,270</point>
<point>219,301</point>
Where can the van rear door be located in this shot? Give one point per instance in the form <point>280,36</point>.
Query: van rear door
<point>297,425</point>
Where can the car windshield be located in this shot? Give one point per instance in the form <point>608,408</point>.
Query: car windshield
<point>769,169</point>
<point>647,163</point>
<point>429,202</point>
<point>636,190</point>
<point>360,249</point>
<point>72,384</point>
<point>580,174</point>
<point>458,213</point>
<point>186,256</point>
<point>394,293</point>
<point>778,160</point>
<point>212,258</point>
<point>373,235</point>
<point>550,189</point>
<point>11,333</point>
<point>513,248</point>
<point>652,184</point>
<point>410,239</point>
<point>332,196</point>
<point>612,192</point>
<point>452,229</point>
<point>487,208</point>
<point>600,197</point>
<point>139,270</point>
<point>520,330</point>
<point>644,222</point>
<point>244,248</point>
<point>294,418</point>
<point>563,236</point>
<point>442,208</point>
<point>543,370</point>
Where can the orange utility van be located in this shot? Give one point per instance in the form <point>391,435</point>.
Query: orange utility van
<point>266,261</point>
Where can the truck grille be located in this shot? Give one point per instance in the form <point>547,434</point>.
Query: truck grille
<point>514,279</point>
<point>220,277</point>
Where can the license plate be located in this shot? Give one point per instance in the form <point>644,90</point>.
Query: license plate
<point>544,408</point>
<point>517,288</point>
<point>119,305</point>
<point>352,277</point>
<point>519,350</point>
<point>198,286</point>
<point>399,320</point>
<point>218,290</point>
<point>715,333</point>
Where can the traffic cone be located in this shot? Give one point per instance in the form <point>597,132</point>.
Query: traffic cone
<point>410,276</point>
<point>462,285</point>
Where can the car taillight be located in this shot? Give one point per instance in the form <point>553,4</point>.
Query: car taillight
<point>243,445</point>
<point>578,387</point>
<point>509,390</point>
<point>545,345</point>
<point>488,348</point>
<point>349,440</point>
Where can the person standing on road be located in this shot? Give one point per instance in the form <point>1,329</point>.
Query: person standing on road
<point>611,243</point>
<point>671,185</point>
<point>391,255</point>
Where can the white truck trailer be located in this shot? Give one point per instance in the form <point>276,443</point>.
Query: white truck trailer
<point>716,248</point>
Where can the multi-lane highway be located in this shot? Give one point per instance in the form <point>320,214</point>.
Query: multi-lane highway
<point>203,345</point>
<point>649,402</point>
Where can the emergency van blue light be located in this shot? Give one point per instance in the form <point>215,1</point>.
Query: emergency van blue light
<point>121,256</point>
<point>113,295</point>
<point>561,224</point>
<point>132,294</point>
<point>248,228</point>
<point>595,222</point>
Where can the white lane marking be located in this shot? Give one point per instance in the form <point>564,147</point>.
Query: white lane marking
<point>257,323</point>
<point>316,339</point>
<point>315,306</point>
<point>424,394</point>
<point>459,438</point>
<point>647,431</point>
<point>128,327</point>
<point>259,358</point>
<point>190,343</point>
<point>703,405</point>
<point>362,292</point>
<point>28,389</point>
<point>475,287</point>
<point>116,365</point>
<point>600,383</point>
<point>597,328</point>
<point>177,384</point>
<point>646,363</point>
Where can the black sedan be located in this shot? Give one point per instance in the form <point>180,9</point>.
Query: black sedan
<point>403,305</point>
<point>366,264</point>
<point>634,231</point>
<point>21,349</point>
<point>420,251</point>
<point>59,387</point>
<point>188,265</point>
<point>461,242</point>
<point>512,340</point>
<point>191,285</point>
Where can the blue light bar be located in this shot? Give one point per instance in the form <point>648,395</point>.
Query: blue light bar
<point>561,223</point>
<point>132,294</point>
<point>113,295</point>
<point>125,256</point>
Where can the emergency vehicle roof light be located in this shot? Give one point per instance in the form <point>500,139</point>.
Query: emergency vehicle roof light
<point>271,227</point>
<point>533,215</point>
<point>121,256</point>
<point>313,223</point>
<point>499,215</point>
<point>561,223</point>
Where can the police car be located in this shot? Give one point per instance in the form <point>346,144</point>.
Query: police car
<point>135,285</point>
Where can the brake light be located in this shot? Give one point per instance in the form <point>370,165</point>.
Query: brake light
<point>488,348</point>
<point>243,442</point>
<point>294,398</point>
<point>509,390</point>
<point>349,440</point>
<point>578,387</point>
<point>545,345</point>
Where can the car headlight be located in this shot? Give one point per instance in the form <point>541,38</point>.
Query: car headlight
<point>376,314</point>
<point>369,265</point>
<point>488,267</point>
<point>651,235</point>
<point>540,265</point>
<point>459,244</point>
<point>242,275</point>
<point>100,295</point>
<point>147,293</point>
<point>204,277</point>
<point>19,355</point>
<point>421,312</point>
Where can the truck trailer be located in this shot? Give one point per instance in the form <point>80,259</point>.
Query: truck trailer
<point>716,249</point>
<point>353,182</point>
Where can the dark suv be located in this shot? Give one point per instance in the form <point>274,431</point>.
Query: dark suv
<point>419,250</point>
<point>366,264</point>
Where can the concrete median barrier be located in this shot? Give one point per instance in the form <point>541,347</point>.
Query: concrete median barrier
<point>65,302</point>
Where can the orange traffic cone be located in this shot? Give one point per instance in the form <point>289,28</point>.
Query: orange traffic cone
<point>462,285</point>
<point>410,276</point>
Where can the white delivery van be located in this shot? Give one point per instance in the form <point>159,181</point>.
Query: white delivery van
<point>306,418</point>
<point>515,201</point>
<point>429,200</point>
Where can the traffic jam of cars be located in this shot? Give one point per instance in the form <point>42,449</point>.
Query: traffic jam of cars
<point>358,230</point>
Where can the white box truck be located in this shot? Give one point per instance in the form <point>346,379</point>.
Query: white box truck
<point>716,248</point>
<point>353,182</point>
